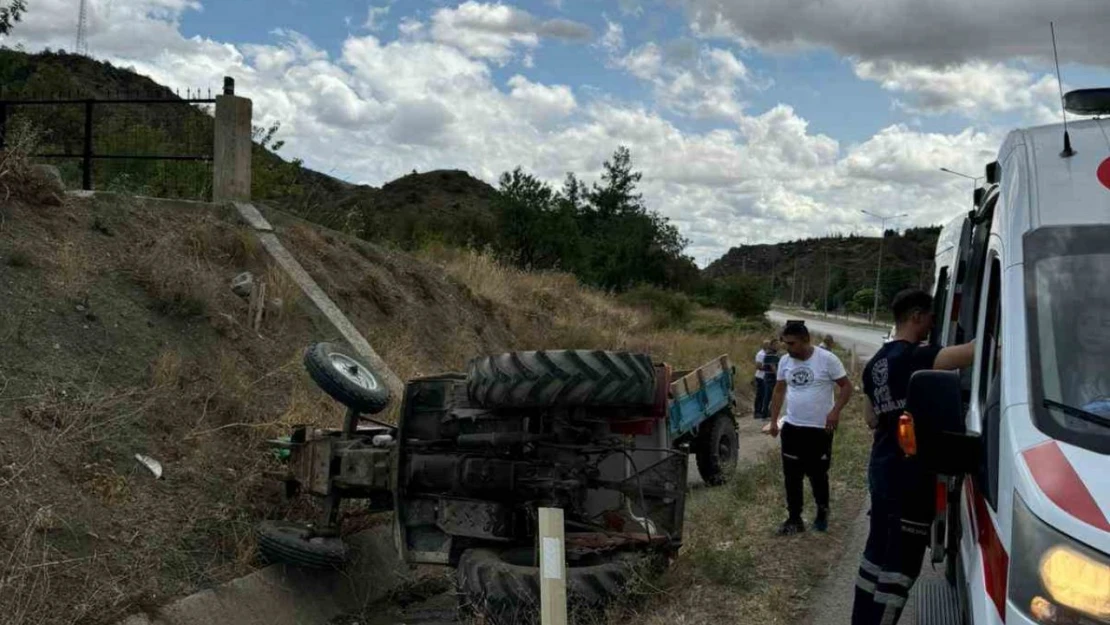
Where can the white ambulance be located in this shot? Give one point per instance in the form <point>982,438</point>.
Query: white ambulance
<point>1023,521</point>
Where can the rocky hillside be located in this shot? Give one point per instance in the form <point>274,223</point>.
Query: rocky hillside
<point>800,270</point>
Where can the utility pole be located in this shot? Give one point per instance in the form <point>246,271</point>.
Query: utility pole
<point>774,268</point>
<point>827,275</point>
<point>879,272</point>
<point>794,280</point>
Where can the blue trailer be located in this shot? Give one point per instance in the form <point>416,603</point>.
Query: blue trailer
<point>700,417</point>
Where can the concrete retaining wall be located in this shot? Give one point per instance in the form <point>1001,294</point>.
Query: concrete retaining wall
<point>284,595</point>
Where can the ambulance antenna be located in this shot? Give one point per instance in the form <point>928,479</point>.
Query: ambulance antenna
<point>1060,84</point>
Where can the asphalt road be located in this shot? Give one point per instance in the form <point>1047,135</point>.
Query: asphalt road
<point>863,339</point>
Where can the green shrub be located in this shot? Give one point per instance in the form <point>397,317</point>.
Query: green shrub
<point>742,295</point>
<point>669,309</point>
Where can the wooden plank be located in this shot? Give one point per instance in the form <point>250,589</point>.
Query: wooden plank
<point>259,305</point>
<point>694,380</point>
<point>553,578</point>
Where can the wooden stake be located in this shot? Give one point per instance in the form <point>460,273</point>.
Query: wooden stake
<point>260,306</point>
<point>553,578</point>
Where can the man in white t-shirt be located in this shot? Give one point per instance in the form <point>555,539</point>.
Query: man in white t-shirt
<point>807,380</point>
<point>759,386</point>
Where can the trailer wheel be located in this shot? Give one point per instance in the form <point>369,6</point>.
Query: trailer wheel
<point>346,378</point>
<point>504,585</point>
<point>562,378</point>
<point>717,449</point>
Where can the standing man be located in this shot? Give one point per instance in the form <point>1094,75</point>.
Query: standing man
<point>902,494</point>
<point>807,377</point>
<point>770,371</point>
<point>759,388</point>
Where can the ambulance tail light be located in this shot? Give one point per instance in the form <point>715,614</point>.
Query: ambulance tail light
<point>907,438</point>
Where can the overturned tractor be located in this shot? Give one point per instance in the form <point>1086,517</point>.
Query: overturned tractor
<point>601,435</point>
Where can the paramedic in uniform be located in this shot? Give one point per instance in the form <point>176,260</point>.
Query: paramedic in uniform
<point>807,379</point>
<point>902,495</point>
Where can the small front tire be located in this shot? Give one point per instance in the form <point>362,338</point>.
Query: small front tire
<point>345,378</point>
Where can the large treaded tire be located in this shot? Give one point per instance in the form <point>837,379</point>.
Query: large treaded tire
<point>504,585</point>
<point>562,378</point>
<point>717,450</point>
<point>283,542</point>
<point>346,378</point>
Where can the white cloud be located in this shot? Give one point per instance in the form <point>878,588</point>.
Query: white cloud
<point>613,39</point>
<point>935,33</point>
<point>542,104</point>
<point>976,89</point>
<point>691,79</point>
<point>380,109</point>
<point>493,31</point>
<point>898,155</point>
<point>374,17</point>
<point>631,7</point>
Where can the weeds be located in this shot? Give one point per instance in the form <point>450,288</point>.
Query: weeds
<point>18,178</point>
<point>733,567</point>
<point>20,258</point>
<point>669,309</point>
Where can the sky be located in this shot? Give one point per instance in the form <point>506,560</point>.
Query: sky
<point>753,121</point>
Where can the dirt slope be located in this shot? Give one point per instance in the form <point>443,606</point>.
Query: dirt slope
<point>119,336</point>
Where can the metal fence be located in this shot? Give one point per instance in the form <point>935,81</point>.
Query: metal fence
<point>159,145</point>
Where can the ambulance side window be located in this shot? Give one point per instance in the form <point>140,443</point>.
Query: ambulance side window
<point>940,300</point>
<point>988,343</point>
<point>990,384</point>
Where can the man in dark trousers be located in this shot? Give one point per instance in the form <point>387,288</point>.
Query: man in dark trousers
<point>902,494</point>
<point>807,379</point>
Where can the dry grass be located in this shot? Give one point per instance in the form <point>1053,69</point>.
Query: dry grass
<point>18,179</point>
<point>733,568</point>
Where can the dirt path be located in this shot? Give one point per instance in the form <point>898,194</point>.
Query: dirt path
<point>832,600</point>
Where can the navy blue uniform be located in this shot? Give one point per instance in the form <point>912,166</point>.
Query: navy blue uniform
<point>902,502</point>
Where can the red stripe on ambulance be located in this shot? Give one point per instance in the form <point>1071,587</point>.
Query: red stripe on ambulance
<point>996,562</point>
<point>1058,480</point>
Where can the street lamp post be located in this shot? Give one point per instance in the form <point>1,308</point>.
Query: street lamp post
<point>974,179</point>
<point>879,272</point>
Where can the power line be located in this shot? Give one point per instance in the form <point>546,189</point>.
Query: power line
<point>879,272</point>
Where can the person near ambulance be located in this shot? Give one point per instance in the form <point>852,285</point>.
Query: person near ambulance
<point>807,377</point>
<point>902,495</point>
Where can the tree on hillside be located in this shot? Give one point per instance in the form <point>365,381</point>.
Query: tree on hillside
<point>536,228</point>
<point>11,13</point>
<point>628,244</point>
<point>743,295</point>
<point>602,233</point>
<point>862,301</point>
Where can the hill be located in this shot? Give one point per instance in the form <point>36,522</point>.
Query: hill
<point>800,272</point>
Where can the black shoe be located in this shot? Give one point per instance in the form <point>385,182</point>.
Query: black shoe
<point>791,526</point>
<point>821,521</point>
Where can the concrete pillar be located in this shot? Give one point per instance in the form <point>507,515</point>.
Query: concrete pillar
<point>231,166</point>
